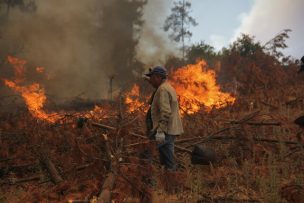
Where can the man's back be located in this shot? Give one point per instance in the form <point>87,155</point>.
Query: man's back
<point>165,108</point>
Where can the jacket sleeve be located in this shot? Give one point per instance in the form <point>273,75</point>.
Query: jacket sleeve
<point>165,111</point>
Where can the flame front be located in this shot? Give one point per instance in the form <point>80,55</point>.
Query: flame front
<point>18,68</point>
<point>33,95</point>
<point>196,87</point>
<point>132,99</point>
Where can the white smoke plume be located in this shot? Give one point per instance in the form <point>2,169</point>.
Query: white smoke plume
<point>154,45</point>
<point>268,18</point>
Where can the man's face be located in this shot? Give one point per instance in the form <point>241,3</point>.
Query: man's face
<point>155,80</point>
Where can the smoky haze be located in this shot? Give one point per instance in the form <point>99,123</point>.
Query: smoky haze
<point>80,43</point>
<point>154,45</point>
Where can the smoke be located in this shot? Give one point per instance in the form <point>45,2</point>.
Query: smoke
<point>80,43</point>
<point>154,45</point>
<point>61,36</point>
<point>268,18</point>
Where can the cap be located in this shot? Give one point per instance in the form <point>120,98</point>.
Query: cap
<point>157,70</point>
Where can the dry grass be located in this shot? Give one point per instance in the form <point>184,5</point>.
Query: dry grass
<point>264,175</point>
<point>246,171</point>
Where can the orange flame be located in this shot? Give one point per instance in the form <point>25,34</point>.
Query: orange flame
<point>196,87</point>
<point>132,99</point>
<point>18,68</point>
<point>34,95</point>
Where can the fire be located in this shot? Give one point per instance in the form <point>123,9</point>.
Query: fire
<point>40,69</point>
<point>196,87</point>
<point>19,68</point>
<point>132,100</point>
<point>33,95</point>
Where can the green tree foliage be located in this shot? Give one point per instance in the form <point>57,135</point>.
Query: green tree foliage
<point>202,51</point>
<point>178,23</point>
<point>245,46</point>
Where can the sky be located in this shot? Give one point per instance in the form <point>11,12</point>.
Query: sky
<point>220,22</point>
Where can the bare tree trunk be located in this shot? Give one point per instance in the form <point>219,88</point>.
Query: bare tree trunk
<point>111,87</point>
<point>183,33</point>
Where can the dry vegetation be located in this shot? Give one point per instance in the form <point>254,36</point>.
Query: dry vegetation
<point>259,155</point>
<point>96,155</point>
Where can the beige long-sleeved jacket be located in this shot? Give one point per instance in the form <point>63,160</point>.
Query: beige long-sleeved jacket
<point>165,111</point>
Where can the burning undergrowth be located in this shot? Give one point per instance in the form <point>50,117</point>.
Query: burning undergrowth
<point>87,155</point>
<point>195,86</point>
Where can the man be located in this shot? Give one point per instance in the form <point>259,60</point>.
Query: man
<point>164,115</point>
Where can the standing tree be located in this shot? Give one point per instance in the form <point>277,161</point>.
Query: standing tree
<point>202,51</point>
<point>179,23</point>
<point>122,22</point>
<point>275,46</point>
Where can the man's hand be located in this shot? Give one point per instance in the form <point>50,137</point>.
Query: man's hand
<point>160,137</point>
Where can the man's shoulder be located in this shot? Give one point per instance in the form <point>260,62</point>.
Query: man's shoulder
<point>166,85</point>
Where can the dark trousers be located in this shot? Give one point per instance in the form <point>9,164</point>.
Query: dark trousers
<point>166,152</point>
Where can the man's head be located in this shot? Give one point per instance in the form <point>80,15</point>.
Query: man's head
<point>157,75</point>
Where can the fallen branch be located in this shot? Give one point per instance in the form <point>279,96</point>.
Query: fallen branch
<point>138,143</point>
<point>14,181</point>
<point>248,117</point>
<point>291,102</point>
<point>22,180</point>
<point>255,139</point>
<point>105,195</point>
<point>21,167</point>
<point>257,123</point>
<point>270,105</point>
<point>129,122</point>
<point>277,141</point>
<point>78,168</point>
<point>210,137</point>
<point>112,128</point>
<point>241,121</point>
<point>56,178</point>
<point>290,153</point>
<point>188,139</point>
<point>183,149</point>
<point>103,126</point>
<point>138,135</point>
<point>106,190</point>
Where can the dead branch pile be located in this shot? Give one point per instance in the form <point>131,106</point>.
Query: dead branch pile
<point>259,153</point>
<point>68,160</point>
